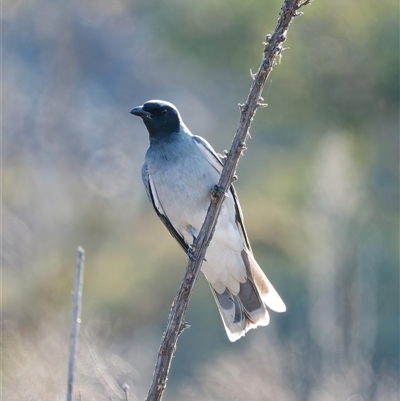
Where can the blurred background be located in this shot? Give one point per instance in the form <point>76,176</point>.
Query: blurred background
<point>318,185</point>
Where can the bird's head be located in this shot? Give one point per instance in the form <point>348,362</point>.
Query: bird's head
<point>161,118</point>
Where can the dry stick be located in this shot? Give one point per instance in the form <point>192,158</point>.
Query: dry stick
<point>76,320</point>
<point>176,324</point>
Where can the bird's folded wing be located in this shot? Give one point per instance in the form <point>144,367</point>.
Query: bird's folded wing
<point>153,197</point>
<point>213,158</point>
<point>209,153</point>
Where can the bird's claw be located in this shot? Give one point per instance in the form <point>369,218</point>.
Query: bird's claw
<point>216,192</point>
<point>190,252</point>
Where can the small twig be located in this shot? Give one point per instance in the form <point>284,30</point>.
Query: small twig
<point>125,387</point>
<point>304,3</point>
<point>175,324</point>
<point>76,320</point>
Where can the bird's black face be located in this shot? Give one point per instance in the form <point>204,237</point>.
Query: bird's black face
<point>161,118</point>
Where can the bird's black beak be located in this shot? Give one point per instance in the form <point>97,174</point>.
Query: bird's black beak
<point>138,111</point>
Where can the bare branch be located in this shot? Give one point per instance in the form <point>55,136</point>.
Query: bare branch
<point>76,321</point>
<point>176,324</point>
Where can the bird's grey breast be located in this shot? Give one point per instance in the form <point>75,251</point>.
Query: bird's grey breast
<point>182,177</point>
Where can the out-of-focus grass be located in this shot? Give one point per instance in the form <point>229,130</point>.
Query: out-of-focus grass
<point>37,364</point>
<point>264,369</point>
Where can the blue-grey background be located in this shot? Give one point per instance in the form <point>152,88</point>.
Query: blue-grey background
<point>318,186</point>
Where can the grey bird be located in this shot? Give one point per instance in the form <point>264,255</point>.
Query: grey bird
<point>179,172</point>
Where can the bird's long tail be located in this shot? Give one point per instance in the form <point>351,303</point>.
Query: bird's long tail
<point>247,309</point>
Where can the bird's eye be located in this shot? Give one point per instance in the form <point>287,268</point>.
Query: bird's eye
<point>163,112</point>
